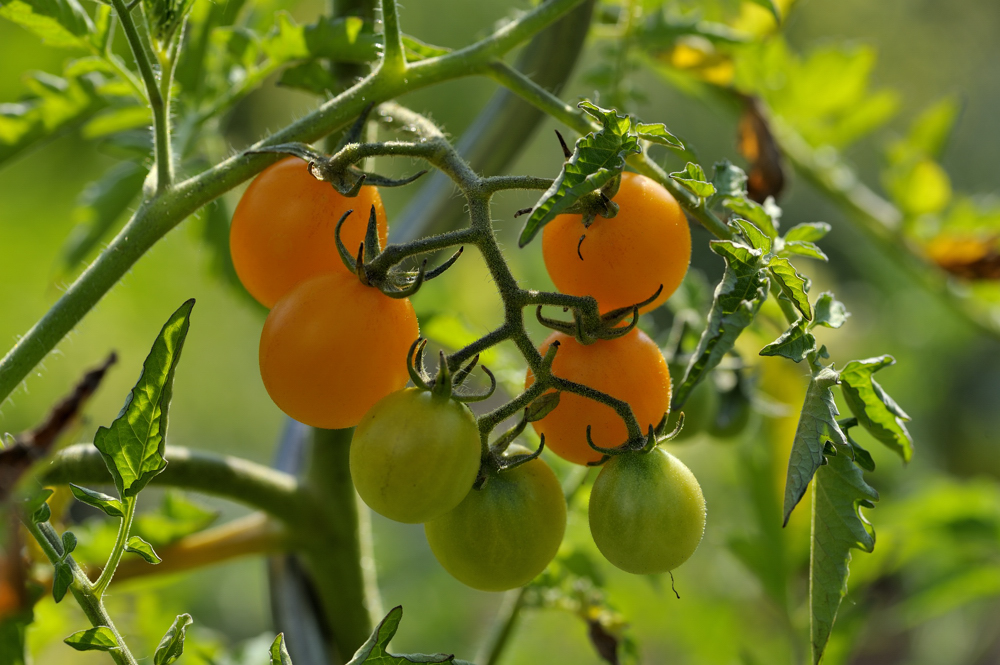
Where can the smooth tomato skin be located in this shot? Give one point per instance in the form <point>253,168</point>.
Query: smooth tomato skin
<point>283,229</point>
<point>630,368</point>
<point>627,257</point>
<point>415,456</point>
<point>332,347</point>
<point>502,536</point>
<point>647,512</point>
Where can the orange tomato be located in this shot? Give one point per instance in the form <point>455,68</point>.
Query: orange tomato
<point>283,229</point>
<point>625,258</point>
<point>332,347</point>
<point>630,368</point>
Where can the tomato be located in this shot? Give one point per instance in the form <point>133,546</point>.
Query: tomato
<point>647,512</point>
<point>630,368</point>
<point>502,536</point>
<point>332,347</point>
<point>415,456</point>
<point>699,409</point>
<point>283,229</point>
<point>627,257</point>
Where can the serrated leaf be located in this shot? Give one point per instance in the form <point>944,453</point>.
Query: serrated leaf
<point>137,545</point>
<point>99,206</point>
<point>837,527</point>
<point>794,286</point>
<point>737,299</point>
<point>804,248</point>
<point>374,651</point>
<point>875,410</point>
<point>659,134</point>
<point>829,311</point>
<point>172,645</point>
<point>757,238</point>
<point>110,505</point>
<point>752,211</point>
<point>62,577</point>
<point>133,445</point>
<point>817,425</point>
<point>93,639</point>
<point>693,179</point>
<point>796,343</point>
<point>729,180</point>
<point>862,457</point>
<point>597,158</point>
<point>542,406</point>
<point>278,651</point>
<point>809,232</point>
<point>59,23</point>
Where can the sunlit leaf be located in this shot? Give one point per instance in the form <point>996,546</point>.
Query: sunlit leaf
<point>796,343</point>
<point>93,639</point>
<point>110,505</point>
<point>874,409</point>
<point>137,545</point>
<point>757,238</point>
<point>172,645</point>
<point>59,23</point>
<point>279,652</point>
<point>808,232</point>
<point>829,311</point>
<point>693,179</point>
<point>793,286</point>
<point>375,650</point>
<point>659,134</point>
<point>804,248</point>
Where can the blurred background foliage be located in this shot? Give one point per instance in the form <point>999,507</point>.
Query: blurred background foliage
<point>857,76</point>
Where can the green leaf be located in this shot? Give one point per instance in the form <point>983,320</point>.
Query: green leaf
<point>417,50</point>
<point>115,120</point>
<point>176,518</point>
<point>110,505</point>
<point>875,410</point>
<point>757,238</point>
<point>770,6</point>
<point>809,232</point>
<point>172,645</point>
<point>348,39</point>
<point>133,446</point>
<point>829,311</point>
<point>312,76</point>
<point>59,23</point>
<point>139,546</point>
<point>738,297</point>
<point>62,577</point>
<point>93,639</point>
<point>804,248</point>
<point>164,17</point>
<point>68,543</point>
<point>542,406</point>
<point>693,179</point>
<point>796,343</point>
<point>99,206</point>
<point>729,180</point>
<point>375,650</point>
<point>752,211</point>
<point>279,653</point>
<point>42,514</point>
<point>794,286</point>
<point>817,425</point>
<point>659,134</point>
<point>837,527</point>
<point>597,158</point>
<point>35,501</point>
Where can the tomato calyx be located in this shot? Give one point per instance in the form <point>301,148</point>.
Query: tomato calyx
<point>588,327</point>
<point>444,383</point>
<point>496,462</point>
<point>371,271</point>
<point>643,444</point>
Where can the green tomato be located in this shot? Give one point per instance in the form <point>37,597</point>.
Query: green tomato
<point>699,409</point>
<point>647,512</point>
<point>503,535</point>
<point>415,456</point>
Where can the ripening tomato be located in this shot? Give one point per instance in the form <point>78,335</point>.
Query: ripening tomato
<point>647,512</point>
<point>624,258</point>
<point>502,536</point>
<point>630,368</point>
<point>332,347</point>
<point>415,455</point>
<point>283,229</point>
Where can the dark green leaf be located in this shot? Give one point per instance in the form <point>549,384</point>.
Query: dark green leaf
<point>838,527</point>
<point>817,425</point>
<point>862,457</point>
<point>172,645</point>
<point>42,514</point>
<point>810,232</point>
<point>804,248</point>
<point>738,296</point>
<point>279,653</point>
<point>68,543</point>
<point>62,577</point>
<point>375,650</point>
<point>542,406</point>
<point>133,446</point>
<point>93,639</point>
<point>139,546</point>
<point>830,312</point>
<point>597,158</point>
<point>59,23</point>
<point>794,286</point>
<point>796,343</point>
<point>99,206</point>
<point>873,408</point>
<point>693,179</point>
<point>110,505</point>
<point>752,211</point>
<point>659,134</point>
<point>757,238</point>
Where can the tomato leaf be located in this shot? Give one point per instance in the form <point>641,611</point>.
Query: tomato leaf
<point>752,211</point>
<point>693,179</point>
<point>729,180</point>
<point>837,527</point>
<point>137,545</point>
<point>875,410</point>
<point>111,506</point>
<point>59,23</point>
<point>374,651</point>
<point>62,577</point>
<point>796,343</point>
<point>597,158</point>
<point>172,645</point>
<point>810,232</point>
<point>794,286</point>
<point>278,651</point>
<point>738,296</point>
<point>133,445</point>
<point>176,518</point>
<point>817,425</point>
<point>659,134</point>
<point>829,311</point>
<point>753,235</point>
<point>93,639</point>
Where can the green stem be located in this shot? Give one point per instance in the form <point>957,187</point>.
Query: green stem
<point>119,548</point>
<point>393,56</point>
